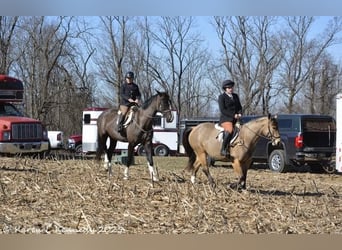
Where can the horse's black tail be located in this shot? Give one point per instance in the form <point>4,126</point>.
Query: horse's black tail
<point>101,144</point>
<point>188,149</point>
<point>99,149</point>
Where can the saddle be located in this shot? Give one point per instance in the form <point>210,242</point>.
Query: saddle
<point>235,135</point>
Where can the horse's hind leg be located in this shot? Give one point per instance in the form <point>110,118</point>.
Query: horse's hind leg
<point>129,161</point>
<point>202,161</point>
<point>194,171</point>
<point>109,153</point>
<point>205,168</point>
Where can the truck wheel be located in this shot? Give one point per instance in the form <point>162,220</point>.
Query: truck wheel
<point>79,150</point>
<point>161,150</point>
<point>276,161</point>
<point>141,151</point>
<point>329,167</point>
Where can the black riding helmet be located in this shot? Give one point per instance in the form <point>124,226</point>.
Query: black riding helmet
<point>227,83</point>
<point>130,74</point>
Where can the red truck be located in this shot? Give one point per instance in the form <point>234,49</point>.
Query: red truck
<point>18,134</point>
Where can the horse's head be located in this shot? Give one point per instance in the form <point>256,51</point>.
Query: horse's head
<point>273,131</point>
<point>164,106</point>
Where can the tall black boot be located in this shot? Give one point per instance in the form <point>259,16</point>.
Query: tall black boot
<point>225,142</point>
<point>119,122</point>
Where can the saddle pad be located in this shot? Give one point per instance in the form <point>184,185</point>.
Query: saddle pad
<point>129,118</point>
<point>219,137</point>
<point>218,127</point>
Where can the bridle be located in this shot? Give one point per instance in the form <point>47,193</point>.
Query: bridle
<point>269,135</point>
<point>169,110</point>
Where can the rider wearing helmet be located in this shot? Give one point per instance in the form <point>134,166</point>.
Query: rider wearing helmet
<point>129,95</point>
<point>230,110</point>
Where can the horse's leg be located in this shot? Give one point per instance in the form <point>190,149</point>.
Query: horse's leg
<point>202,158</point>
<point>109,153</point>
<point>244,166</point>
<point>194,171</point>
<point>129,161</point>
<point>102,148</point>
<point>153,172</point>
<point>240,169</point>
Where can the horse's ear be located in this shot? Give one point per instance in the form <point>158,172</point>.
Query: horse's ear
<point>269,115</point>
<point>157,92</point>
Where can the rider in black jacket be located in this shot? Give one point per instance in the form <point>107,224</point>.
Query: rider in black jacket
<point>230,109</point>
<point>129,94</point>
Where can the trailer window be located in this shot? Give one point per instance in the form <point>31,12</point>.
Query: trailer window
<point>157,121</point>
<point>87,119</point>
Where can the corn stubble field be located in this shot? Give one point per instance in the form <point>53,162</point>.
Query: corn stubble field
<point>77,196</point>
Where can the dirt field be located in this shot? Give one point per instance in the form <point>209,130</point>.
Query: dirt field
<point>76,196</point>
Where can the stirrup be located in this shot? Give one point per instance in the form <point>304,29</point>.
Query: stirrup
<point>234,136</point>
<point>225,152</point>
<point>120,127</point>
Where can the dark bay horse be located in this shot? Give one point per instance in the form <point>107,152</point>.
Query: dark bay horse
<point>205,140</point>
<point>140,130</point>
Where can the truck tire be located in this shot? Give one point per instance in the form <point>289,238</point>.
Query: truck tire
<point>161,150</point>
<point>329,167</point>
<point>141,150</point>
<point>276,161</point>
<point>79,150</point>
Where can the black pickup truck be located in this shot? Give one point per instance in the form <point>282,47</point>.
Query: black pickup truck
<point>307,141</point>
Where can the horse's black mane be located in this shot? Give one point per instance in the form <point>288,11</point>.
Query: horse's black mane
<point>147,103</point>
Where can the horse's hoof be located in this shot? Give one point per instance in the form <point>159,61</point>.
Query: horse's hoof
<point>126,178</point>
<point>236,187</point>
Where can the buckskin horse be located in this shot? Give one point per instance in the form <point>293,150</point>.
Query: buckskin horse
<point>139,130</point>
<point>203,142</point>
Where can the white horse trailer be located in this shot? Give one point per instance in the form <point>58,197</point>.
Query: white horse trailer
<point>164,134</point>
<point>339,132</point>
<point>89,131</point>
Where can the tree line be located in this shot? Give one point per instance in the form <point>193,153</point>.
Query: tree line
<point>68,63</point>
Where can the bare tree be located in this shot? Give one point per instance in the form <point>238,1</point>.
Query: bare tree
<point>250,56</point>
<point>176,55</point>
<point>113,53</point>
<point>51,67</point>
<point>320,90</point>
<point>301,55</point>
<point>8,26</point>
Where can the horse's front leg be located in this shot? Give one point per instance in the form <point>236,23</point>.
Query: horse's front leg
<point>129,160</point>
<point>240,169</point>
<point>153,171</point>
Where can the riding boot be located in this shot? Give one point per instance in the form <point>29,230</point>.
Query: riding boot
<point>225,143</point>
<point>119,122</point>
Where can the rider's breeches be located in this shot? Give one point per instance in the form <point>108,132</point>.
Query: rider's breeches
<point>123,109</point>
<point>227,126</point>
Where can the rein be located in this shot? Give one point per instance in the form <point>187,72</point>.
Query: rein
<point>151,117</point>
<point>269,135</point>
<point>143,130</point>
